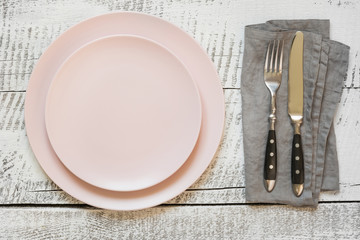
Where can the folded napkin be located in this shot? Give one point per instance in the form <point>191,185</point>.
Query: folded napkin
<point>325,68</point>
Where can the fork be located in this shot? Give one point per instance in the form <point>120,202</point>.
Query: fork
<point>272,79</point>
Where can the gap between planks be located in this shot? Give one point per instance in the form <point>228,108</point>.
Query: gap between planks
<point>224,88</point>
<point>85,206</point>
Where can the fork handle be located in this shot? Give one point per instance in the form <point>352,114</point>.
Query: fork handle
<point>270,165</point>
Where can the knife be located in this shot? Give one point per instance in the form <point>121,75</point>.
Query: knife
<point>295,109</point>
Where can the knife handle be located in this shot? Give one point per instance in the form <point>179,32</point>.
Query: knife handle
<point>270,165</point>
<point>297,165</point>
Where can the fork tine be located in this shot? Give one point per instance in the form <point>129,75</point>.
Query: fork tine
<point>281,56</point>
<point>277,55</point>
<point>266,68</point>
<point>272,57</point>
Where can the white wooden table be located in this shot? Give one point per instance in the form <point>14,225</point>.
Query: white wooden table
<point>214,207</point>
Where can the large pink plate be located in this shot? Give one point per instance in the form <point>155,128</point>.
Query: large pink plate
<point>123,113</point>
<point>178,42</point>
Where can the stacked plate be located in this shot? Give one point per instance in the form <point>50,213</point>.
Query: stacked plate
<point>124,111</point>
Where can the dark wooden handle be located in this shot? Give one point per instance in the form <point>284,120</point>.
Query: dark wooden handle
<point>297,161</point>
<point>270,157</point>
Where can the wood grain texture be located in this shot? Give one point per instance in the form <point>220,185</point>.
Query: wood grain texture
<point>197,222</point>
<point>23,181</point>
<point>218,25</point>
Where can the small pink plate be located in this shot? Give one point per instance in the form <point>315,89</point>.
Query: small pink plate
<point>123,113</point>
<point>184,47</point>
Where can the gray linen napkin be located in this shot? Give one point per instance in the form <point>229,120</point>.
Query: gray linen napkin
<point>325,67</point>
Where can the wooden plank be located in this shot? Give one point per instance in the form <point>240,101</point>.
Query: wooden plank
<point>217,25</point>
<point>23,181</point>
<point>196,222</point>
<point>23,42</point>
<point>24,195</point>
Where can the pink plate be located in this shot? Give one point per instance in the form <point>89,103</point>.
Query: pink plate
<point>122,113</point>
<point>192,56</point>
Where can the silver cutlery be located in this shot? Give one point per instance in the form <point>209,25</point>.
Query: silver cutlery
<point>272,79</point>
<point>295,109</point>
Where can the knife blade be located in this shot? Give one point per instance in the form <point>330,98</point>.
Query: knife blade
<point>295,110</point>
